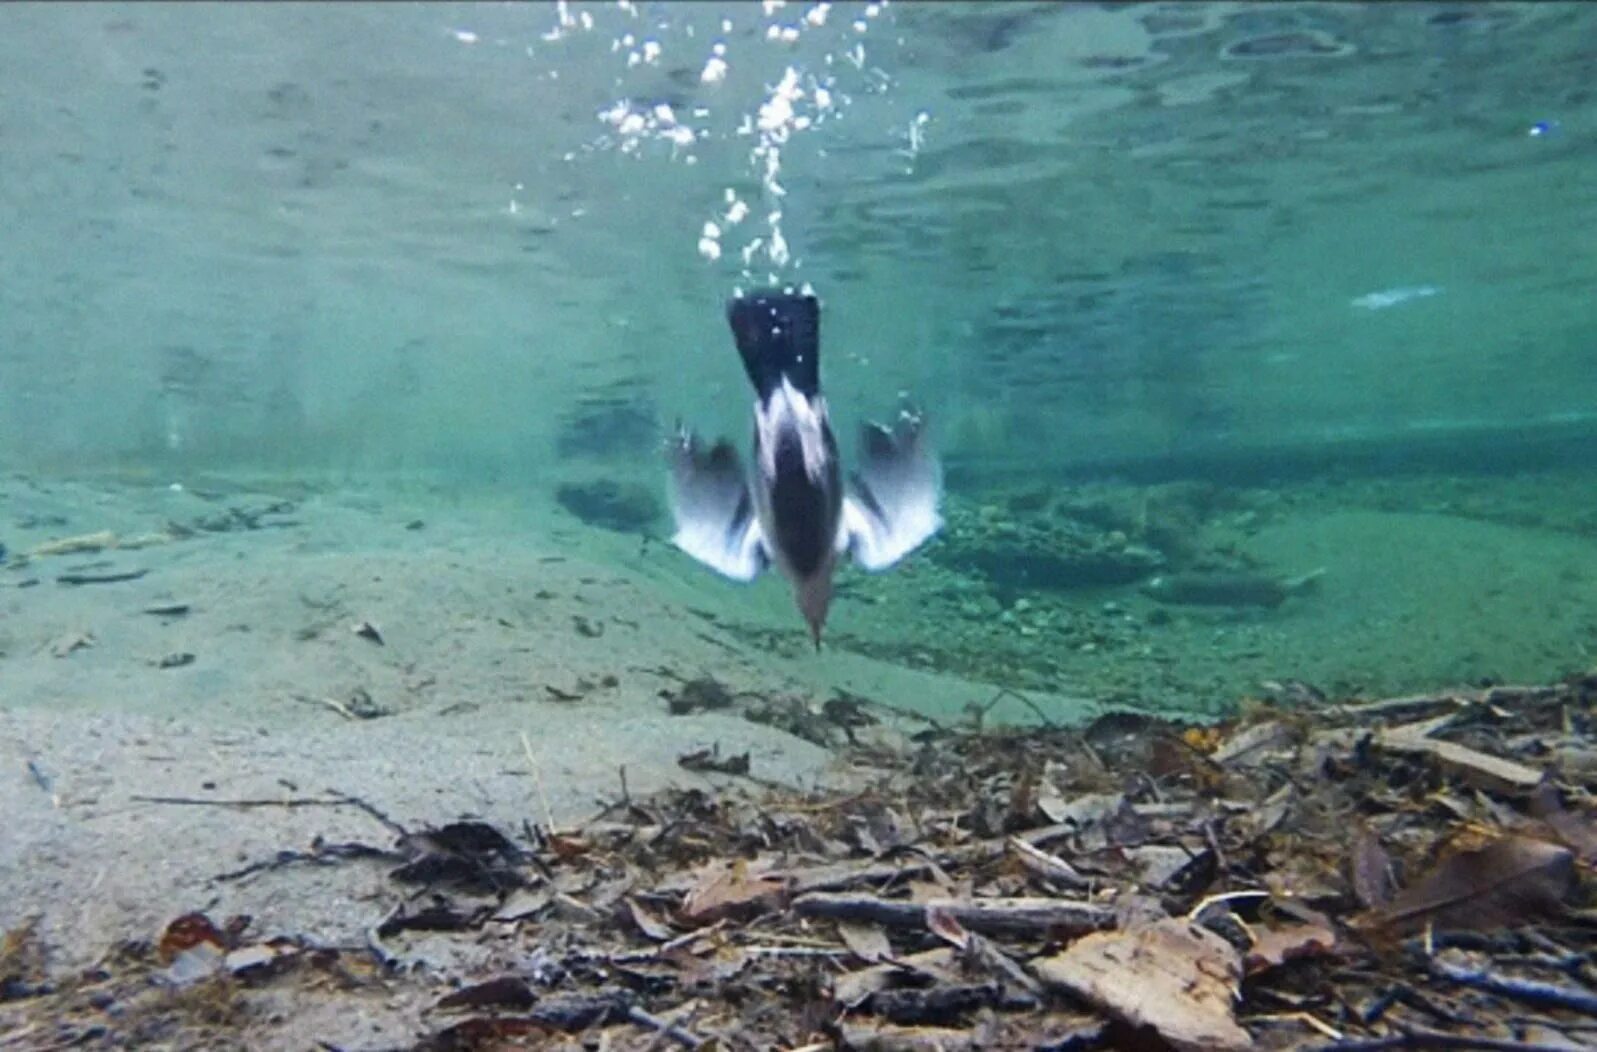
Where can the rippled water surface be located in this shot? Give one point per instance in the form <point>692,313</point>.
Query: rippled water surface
<point>426,234</point>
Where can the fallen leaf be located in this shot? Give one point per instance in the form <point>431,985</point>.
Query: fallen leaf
<point>187,932</point>
<point>484,1033</point>
<point>1478,768</point>
<point>524,902</point>
<point>1505,882</point>
<point>1288,942</point>
<point>945,926</point>
<point>881,1037</point>
<point>648,923</point>
<point>1575,830</point>
<point>568,847</point>
<point>931,966</point>
<point>1250,746</point>
<point>1169,974</point>
<point>710,761</point>
<point>868,942</point>
<point>261,956</point>
<point>1371,870</point>
<point>507,991</point>
<point>728,890</point>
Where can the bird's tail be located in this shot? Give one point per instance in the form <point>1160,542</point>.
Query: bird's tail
<point>779,336</point>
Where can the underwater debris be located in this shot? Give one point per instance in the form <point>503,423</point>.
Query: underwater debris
<point>360,705</point>
<point>80,544</point>
<point>1228,588</point>
<point>609,427</point>
<point>710,761</point>
<point>1394,297</point>
<point>71,643</point>
<point>703,694</point>
<point>116,577</point>
<point>974,889</point>
<point>239,517</point>
<point>611,505</point>
<point>1042,552</point>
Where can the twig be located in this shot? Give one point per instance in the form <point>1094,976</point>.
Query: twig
<point>1018,915</point>
<point>1230,896</point>
<point>1532,990</point>
<point>537,784</point>
<point>287,801</point>
<point>979,712</point>
<point>1305,1018</point>
<point>682,1036</point>
<point>40,779</point>
<point>355,801</point>
<point>1419,1038</point>
<point>331,703</point>
<point>655,952</point>
<point>374,940</point>
<point>325,854</point>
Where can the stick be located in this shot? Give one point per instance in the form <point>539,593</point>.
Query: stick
<point>537,783</point>
<point>195,801</point>
<point>992,916</point>
<point>684,1037</point>
<point>1531,990</point>
<point>1420,1038</point>
<point>100,578</point>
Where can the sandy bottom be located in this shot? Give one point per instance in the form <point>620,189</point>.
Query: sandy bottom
<point>519,675</point>
<point>523,661</point>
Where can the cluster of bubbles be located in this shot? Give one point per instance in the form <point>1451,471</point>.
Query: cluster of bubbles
<point>795,101</point>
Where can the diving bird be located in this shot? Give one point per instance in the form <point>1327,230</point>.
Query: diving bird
<point>793,508</point>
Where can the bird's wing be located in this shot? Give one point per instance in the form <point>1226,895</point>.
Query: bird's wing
<point>892,504</point>
<point>714,516</point>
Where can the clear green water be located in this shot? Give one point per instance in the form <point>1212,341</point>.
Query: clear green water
<point>1328,263</point>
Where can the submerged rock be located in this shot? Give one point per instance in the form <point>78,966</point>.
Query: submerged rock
<point>623,507</point>
<point>1235,588</point>
<point>1044,551</point>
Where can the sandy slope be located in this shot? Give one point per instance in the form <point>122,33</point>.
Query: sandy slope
<point>483,620</point>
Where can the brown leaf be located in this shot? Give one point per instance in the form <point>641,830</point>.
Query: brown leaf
<point>648,923</point>
<point>568,847</point>
<point>1371,870</point>
<point>868,942</point>
<point>929,966</point>
<point>728,891</point>
<point>943,924</point>
<point>1170,975</point>
<point>484,1033</point>
<point>1574,830</point>
<point>507,991</point>
<point>187,932</point>
<point>1276,946</point>
<point>1504,882</point>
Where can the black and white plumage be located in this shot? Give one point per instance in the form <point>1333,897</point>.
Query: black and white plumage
<point>793,509</point>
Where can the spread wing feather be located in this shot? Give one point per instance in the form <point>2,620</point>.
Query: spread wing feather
<point>891,507</point>
<point>715,520</point>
